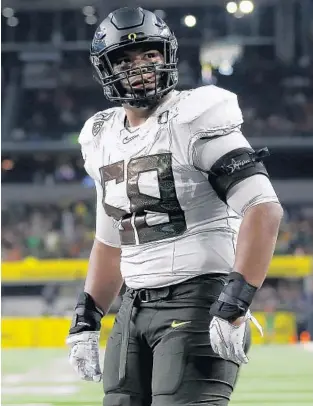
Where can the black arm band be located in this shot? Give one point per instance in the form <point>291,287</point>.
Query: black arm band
<point>235,298</point>
<point>234,167</point>
<point>87,316</point>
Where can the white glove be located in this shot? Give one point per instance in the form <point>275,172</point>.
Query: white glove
<point>227,340</point>
<point>84,355</point>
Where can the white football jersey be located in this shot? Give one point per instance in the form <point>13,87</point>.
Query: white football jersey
<point>153,199</point>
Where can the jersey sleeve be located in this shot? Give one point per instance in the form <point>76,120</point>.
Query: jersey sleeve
<point>206,151</point>
<point>250,192</point>
<point>106,227</point>
<point>210,112</point>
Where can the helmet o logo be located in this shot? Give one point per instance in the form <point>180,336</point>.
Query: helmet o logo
<point>132,36</point>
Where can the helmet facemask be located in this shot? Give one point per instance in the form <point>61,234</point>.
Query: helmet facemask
<point>140,85</point>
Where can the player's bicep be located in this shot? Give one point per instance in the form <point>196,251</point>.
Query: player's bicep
<point>106,227</point>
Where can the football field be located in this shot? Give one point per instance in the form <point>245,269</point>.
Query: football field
<point>276,375</point>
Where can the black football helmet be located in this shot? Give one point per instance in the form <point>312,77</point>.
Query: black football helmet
<point>134,27</point>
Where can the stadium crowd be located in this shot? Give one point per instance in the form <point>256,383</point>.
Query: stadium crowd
<point>294,295</point>
<point>43,169</point>
<point>67,231</point>
<point>59,97</point>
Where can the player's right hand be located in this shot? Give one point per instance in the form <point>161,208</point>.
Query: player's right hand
<point>84,355</point>
<point>83,339</point>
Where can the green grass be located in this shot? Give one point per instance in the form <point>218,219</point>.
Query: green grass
<point>276,375</point>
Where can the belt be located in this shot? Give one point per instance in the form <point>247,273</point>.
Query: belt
<point>153,295</point>
<point>137,297</point>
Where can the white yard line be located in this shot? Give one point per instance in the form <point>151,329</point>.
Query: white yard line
<point>39,390</point>
<point>56,375</point>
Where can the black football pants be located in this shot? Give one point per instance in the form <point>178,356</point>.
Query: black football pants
<point>159,352</point>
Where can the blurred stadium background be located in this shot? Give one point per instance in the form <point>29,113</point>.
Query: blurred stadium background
<point>261,49</point>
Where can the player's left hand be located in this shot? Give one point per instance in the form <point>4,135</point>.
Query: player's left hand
<point>228,339</point>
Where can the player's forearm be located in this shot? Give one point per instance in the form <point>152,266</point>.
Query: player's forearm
<point>256,241</point>
<point>104,278</point>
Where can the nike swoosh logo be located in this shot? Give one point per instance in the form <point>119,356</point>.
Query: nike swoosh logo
<point>179,323</point>
<point>126,140</point>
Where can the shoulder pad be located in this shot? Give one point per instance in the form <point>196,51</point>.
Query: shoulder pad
<point>210,108</point>
<point>94,125</point>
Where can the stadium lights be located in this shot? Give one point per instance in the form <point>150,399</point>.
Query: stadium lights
<point>8,12</point>
<point>91,20</point>
<point>239,14</point>
<point>88,11</point>
<point>246,6</point>
<point>190,21</point>
<point>12,21</point>
<point>225,68</point>
<point>231,7</point>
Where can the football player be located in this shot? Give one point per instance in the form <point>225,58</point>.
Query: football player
<point>186,217</point>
